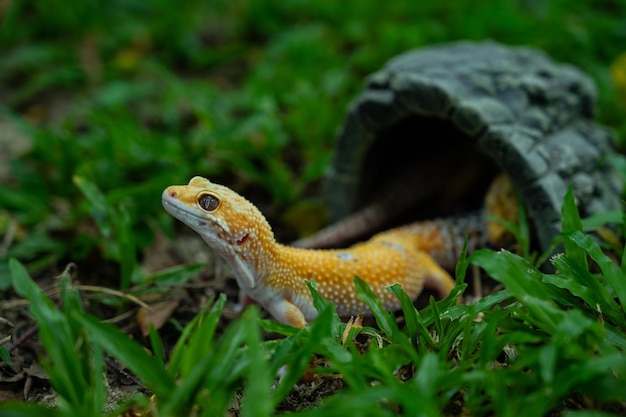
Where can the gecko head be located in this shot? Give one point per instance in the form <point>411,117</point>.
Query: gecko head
<point>224,219</point>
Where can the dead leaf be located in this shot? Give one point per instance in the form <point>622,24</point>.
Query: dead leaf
<point>36,370</point>
<point>156,315</point>
<point>158,255</point>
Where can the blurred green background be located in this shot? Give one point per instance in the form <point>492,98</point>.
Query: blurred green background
<point>104,103</point>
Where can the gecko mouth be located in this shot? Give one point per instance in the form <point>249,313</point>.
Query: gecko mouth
<point>173,208</point>
<point>185,214</point>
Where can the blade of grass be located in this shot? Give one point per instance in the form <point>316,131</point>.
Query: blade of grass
<point>600,219</point>
<point>371,402</point>
<point>601,376</point>
<point>523,280</point>
<point>615,335</point>
<point>610,272</point>
<point>57,337</point>
<point>581,283</point>
<point>5,356</point>
<point>175,276</point>
<point>112,220</point>
<point>297,350</point>
<point>257,399</point>
<point>570,222</point>
<point>273,326</point>
<point>384,319</point>
<point>414,324</point>
<point>185,395</point>
<point>97,203</point>
<point>321,304</point>
<point>212,370</point>
<point>122,230</point>
<point>157,346</point>
<point>518,275</point>
<point>130,353</point>
<point>460,271</point>
<point>437,316</point>
<point>487,335</point>
<point>230,361</point>
<point>20,409</point>
<point>203,324</point>
<point>97,387</point>
<point>426,382</point>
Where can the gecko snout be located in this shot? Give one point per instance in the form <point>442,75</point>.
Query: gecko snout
<point>179,194</point>
<point>171,192</point>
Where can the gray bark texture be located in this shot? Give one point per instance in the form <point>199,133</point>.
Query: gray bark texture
<point>510,108</point>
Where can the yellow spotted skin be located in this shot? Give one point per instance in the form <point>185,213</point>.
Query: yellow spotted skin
<point>274,274</point>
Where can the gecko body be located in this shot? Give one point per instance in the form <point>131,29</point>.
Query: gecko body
<point>274,274</point>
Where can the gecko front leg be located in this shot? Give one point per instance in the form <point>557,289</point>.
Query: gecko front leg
<point>286,312</point>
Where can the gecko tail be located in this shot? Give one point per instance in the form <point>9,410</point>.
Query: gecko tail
<point>444,239</point>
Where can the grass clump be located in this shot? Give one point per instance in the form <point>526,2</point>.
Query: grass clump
<point>546,342</point>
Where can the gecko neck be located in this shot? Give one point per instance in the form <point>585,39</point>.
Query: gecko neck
<point>261,259</point>
<point>254,256</point>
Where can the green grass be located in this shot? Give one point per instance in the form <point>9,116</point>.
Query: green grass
<point>522,351</point>
<point>119,99</point>
<point>245,89</point>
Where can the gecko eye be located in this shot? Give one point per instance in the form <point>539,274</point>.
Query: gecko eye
<point>208,202</point>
